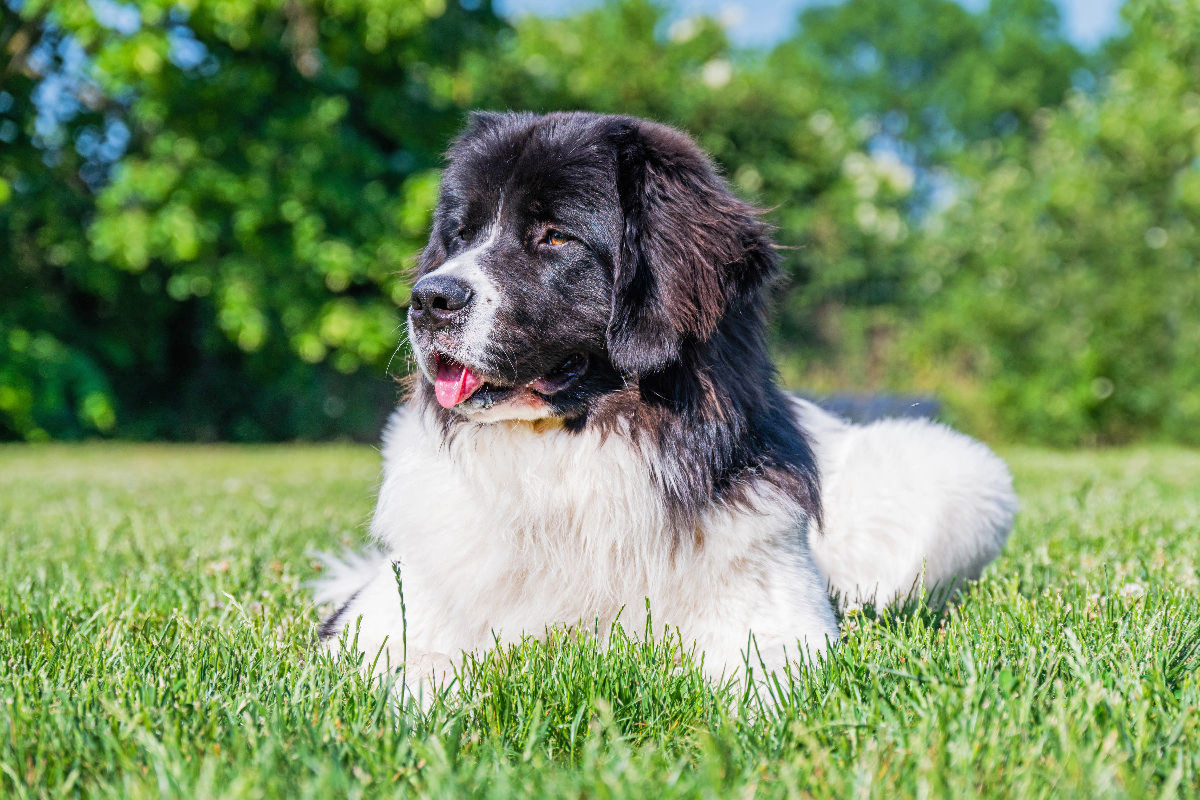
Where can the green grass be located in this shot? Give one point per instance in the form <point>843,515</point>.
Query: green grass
<point>156,639</point>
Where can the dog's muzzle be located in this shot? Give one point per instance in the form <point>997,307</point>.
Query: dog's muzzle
<point>438,300</point>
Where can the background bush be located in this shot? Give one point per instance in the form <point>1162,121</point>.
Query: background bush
<point>207,207</point>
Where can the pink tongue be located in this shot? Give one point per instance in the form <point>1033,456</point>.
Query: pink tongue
<point>454,383</point>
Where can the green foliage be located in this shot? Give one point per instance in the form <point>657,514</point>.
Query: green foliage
<point>937,74</point>
<point>156,640</point>
<point>1066,279</point>
<point>207,208</point>
<point>277,181</point>
<point>46,382</point>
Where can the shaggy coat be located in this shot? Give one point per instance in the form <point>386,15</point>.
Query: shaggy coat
<point>598,430</point>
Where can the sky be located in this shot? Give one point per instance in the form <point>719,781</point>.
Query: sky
<point>764,22</point>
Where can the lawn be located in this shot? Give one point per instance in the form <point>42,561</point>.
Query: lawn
<point>156,639</point>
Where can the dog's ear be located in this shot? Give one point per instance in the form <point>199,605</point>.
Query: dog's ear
<point>690,250</point>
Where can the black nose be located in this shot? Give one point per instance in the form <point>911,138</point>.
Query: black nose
<point>438,299</point>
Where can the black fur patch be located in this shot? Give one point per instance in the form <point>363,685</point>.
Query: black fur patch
<point>331,626</point>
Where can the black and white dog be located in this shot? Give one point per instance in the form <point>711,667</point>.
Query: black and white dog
<point>598,425</point>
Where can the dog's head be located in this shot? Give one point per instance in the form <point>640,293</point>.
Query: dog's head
<point>573,255</point>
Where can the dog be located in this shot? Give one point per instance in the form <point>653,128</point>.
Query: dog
<point>597,430</point>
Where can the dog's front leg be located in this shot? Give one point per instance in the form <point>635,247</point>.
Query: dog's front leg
<point>384,625</point>
<point>758,617</point>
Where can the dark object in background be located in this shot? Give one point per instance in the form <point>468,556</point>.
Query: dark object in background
<point>863,408</point>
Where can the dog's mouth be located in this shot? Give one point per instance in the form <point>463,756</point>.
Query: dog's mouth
<point>456,382</point>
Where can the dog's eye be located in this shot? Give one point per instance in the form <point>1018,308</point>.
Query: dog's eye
<point>462,233</point>
<point>555,238</point>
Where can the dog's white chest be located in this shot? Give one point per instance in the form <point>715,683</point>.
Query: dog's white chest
<point>508,530</point>
<point>518,527</point>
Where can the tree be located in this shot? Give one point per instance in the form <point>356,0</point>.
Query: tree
<point>279,168</point>
<point>937,75</point>
<point>55,295</point>
<point>1062,287</point>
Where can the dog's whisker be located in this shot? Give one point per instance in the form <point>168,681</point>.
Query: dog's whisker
<point>404,339</point>
<point>511,363</point>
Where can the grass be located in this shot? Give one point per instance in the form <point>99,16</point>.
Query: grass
<point>156,639</point>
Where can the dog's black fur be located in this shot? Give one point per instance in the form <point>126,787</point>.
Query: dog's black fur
<point>661,286</point>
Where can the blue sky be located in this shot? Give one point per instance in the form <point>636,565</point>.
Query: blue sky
<point>1088,22</point>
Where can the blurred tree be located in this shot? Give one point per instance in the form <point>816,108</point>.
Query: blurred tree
<point>1063,286</point>
<point>207,206</point>
<point>55,295</point>
<point>921,80</point>
<point>936,75</point>
<point>278,171</point>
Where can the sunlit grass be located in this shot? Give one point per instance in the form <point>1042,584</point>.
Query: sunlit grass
<point>156,639</point>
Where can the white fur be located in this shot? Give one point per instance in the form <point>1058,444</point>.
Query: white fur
<point>907,504</point>
<point>511,528</point>
<point>477,329</point>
